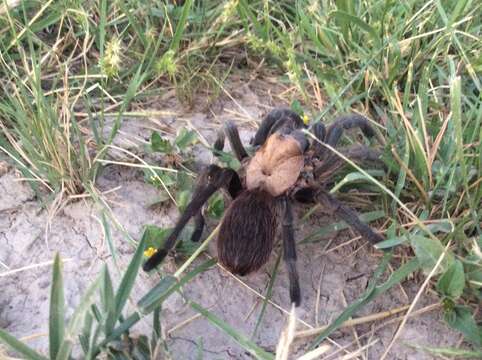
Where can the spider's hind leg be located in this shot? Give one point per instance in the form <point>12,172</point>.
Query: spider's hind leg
<point>289,252</point>
<point>349,216</point>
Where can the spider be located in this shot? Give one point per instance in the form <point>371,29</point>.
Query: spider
<point>285,167</point>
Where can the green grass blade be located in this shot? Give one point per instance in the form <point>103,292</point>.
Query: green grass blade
<point>269,293</point>
<point>242,340</point>
<point>351,19</point>
<point>19,346</point>
<point>452,353</point>
<point>108,301</point>
<point>127,282</point>
<point>85,336</point>
<point>118,331</point>
<point>108,236</point>
<point>341,225</point>
<point>56,314</point>
<point>101,28</point>
<point>77,320</point>
<point>181,26</point>
<point>167,286</point>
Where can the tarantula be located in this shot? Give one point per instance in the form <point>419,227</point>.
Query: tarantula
<point>285,167</point>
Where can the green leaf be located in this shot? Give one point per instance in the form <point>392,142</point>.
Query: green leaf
<point>107,298</point>
<point>181,26</point>
<point>182,199</point>
<point>56,315</point>
<point>156,326</point>
<point>228,159</point>
<point>154,298</point>
<point>77,319</point>
<point>184,181</point>
<point>19,346</point>
<point>452,282</point>
<point>154,236</point>
<point>185,246</point>
<point>351,19</point>
<point>341,225</point>
<point>356,176</point>
<point>127,283</point>
<point>167,286</point>
<point>108,236</point>
<point>242,340</point>
<point>86,334</point>
<point>215,207</point>
<point>461,319</point>
<point>428,251</point>
<point>268,296</point>
<point>185,138</point>
<point>296,107</point>
<point>392,242</point>
<point>159,144</point>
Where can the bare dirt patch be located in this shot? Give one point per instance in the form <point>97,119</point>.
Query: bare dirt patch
<point>339,276</point>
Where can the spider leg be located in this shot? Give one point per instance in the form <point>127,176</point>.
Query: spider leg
<point>234,188</point>
<point>300,137</point>
<point>319,130</point>
<point>211,180</point>
<point>289,252</point>
<point>198,226</point>
<point>219,143</point>
<point>357,153</point>
<point>232,133</point>
<point>349,216</point>
<point>276,119</point>
<point>347,122</point>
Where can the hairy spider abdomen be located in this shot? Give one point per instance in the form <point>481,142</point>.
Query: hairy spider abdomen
<point>247,232</point>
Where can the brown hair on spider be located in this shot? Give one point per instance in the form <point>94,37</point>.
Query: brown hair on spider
<point>284,168</point>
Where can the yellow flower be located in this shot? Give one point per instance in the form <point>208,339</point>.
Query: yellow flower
<point>306,119</point>
<point>150,251</point>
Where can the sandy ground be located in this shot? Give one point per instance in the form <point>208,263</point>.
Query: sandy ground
<point>340,276</point>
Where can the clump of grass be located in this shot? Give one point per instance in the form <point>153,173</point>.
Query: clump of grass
<point>64,64</point>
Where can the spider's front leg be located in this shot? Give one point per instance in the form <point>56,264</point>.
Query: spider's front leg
<point>347,122</point>
<point>211,180</point>
<point>349,216</point>
<point>274,121</point>
<point>234,186</point>
<point>231,131</point>
<point>289,251</point>
<point>334,132</point>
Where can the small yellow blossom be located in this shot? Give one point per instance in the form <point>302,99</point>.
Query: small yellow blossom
<point>306,119</point>
<point>150,251</point>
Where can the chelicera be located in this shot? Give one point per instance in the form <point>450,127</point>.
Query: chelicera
<point>286,167</point>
